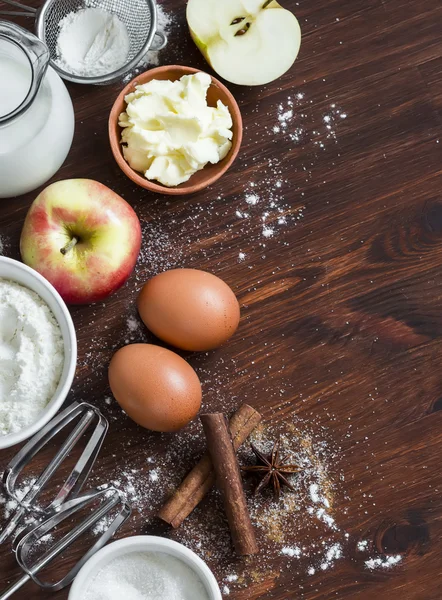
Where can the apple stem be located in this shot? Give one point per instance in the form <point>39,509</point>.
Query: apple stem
<point>74,241</point>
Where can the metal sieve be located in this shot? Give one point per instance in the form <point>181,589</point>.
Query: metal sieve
<point>139,17</point>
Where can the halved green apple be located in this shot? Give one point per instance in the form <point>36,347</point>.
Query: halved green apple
<point>248,42</point>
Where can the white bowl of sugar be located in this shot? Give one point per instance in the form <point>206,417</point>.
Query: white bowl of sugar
<point>147,567</point>
<point>37,341</point>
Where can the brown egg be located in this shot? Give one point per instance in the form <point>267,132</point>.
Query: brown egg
<point>189,309</point>
<point>157,388</point>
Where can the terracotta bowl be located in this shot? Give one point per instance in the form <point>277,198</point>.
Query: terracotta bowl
<point>210,173</point>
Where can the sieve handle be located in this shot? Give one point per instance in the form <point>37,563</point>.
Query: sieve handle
<point>162,44</point>
<point>15,587</point>
<point>26,11</point>
<point>15,13</point>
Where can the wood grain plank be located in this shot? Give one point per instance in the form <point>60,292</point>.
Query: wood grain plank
<point>341,328</point>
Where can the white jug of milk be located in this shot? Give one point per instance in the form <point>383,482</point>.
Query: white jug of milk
<point>36,113</point>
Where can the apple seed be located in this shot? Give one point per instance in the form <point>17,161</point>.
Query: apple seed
<point>244,30</point>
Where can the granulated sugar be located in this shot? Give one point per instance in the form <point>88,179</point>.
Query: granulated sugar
<point>147,576</point>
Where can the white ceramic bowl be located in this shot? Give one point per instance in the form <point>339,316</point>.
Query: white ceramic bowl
<point>143,543</point>
<point>20,273</point>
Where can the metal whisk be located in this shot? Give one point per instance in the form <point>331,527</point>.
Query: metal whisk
<point>139,17</point>
<point>90,420</point>
<point>89,425</point>
<point>108,500</point>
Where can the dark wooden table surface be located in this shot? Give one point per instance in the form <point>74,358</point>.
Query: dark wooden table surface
<point>338,269</point>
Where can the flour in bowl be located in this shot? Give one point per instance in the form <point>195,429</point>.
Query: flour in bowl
<point>31,356</point>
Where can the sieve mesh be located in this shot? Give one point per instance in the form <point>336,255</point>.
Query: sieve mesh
<point>135,14</point>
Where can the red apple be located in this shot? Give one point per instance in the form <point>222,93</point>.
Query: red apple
<point>83,238</point>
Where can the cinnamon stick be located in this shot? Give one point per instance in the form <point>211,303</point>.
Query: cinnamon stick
<point>201,478</point>
<point>228,480</point>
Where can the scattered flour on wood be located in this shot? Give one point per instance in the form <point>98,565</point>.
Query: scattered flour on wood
<point>295,121</point>
<point>266,197</point>
<point>264,200</point>
<point>362,545</point>
<point>5,246</point>
<point>10,504</point>
<point>385,562</point>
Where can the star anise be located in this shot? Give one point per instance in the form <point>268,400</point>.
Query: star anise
<point>273,468</point>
